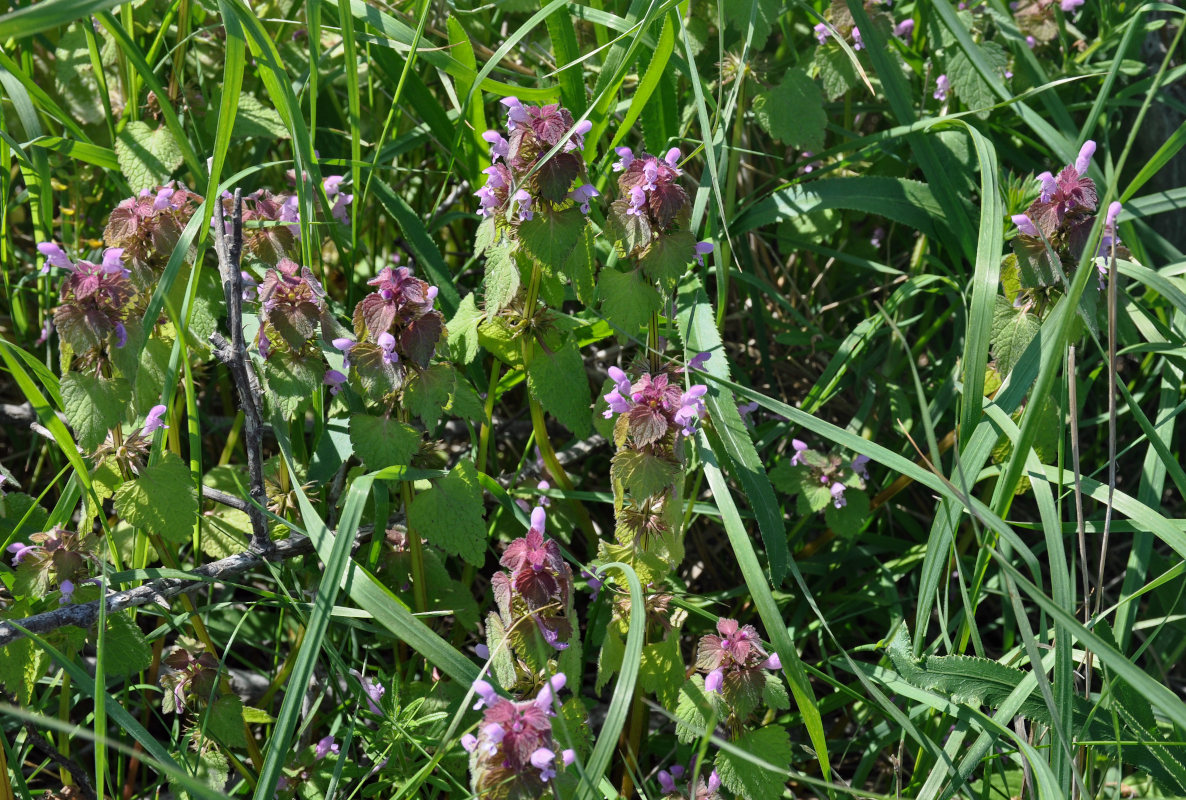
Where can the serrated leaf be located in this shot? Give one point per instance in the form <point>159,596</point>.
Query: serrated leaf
<point>774,693</point>
<point>581,267</point>
<point>765,17</point>
<point>846,521</point>
<point>668,257</point>
<point>162,500</point>
<point>662,670</point>
<point>1012,331</point>
<point>146,157</point>
<point>225,532</point>
<point>253,119</point>
<point>694,709</point>
<point>740,774</point>
<point>212,770</point>
<point>966,81</point>
<point>126,651</point>
<point>549,236</point>
<point>150,376</point>
<point>93,405</point>
<point>643,474</point>
<point>224,721</point>
<point>14,507</point>
<point>21,667</point>
<point>559,382</point>
<point>290,382</point>
<point>609,660</point>
<point>74,74</point>
<point>793,111</point>
<point>450,514</point>
<point>428,394</point>
<point>383,442</point>
<point>836,70</point>
<point>502,279</point>
<point>627,301</point>
<point>497,337</point>
<point>463,330</point>
<point>813,496</point>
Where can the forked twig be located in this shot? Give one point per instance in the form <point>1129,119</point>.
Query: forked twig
<point>229,251</point>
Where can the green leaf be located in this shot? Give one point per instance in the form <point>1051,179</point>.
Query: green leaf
<point>225,532</point>
<point>1012,331</point>
<point>74,73</point>
<point>793,111</point>
<point>150,377</point>
<point>966,81</point>
<point>463,330</point>
<point>290,381</point>
<point>93,405</point>
<point>428,394</point>
<point>643,474</point>
<point>450,514</point>
<point>21,667</point>
<point>847,520</point>
<point>694,709</point>
<point>146,157</point>
<point>383,442</point>
<point>126,651</point>
<point>212,771</point>
<point>765,15</point>
<point>559,382</point>
<point>836,70</point>
<point>549,236</point>
<point>224,721</point>
<point>581,267</point>
<point>13,508</point>
<point>161,500</point>
<point>253,119</point>
<point>668,257</point>
<point>502,279</point>
<point>757,764</point>
<point>662,670</point>
<point>774,693</point>
<point>627,301</point>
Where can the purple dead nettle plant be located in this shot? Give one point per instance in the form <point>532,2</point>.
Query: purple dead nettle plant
<point>148,226</point>
<point>397,330</point>
<point>738,671</point>
<point>57,558</point>
<point>292,307</point>
<point>1055,229</point>
<point>129,453</point>
<point>829,471</point>
<point>515,754</point>
<point>191,678</point>
<point>677,784</point>
<point>534,594</point>
<point>96,300</point>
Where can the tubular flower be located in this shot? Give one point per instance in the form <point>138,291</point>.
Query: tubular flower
<point>942,87</point>
<point>96,300</point>
<point>535,589</point>
<point>821,33</point>
<point>649,192</point>
<point>514,754</point>
<point>705,788</point>
<point>904,29</point>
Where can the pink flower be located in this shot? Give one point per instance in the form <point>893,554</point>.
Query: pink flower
<point>942,87</point>
<point>1068,6</point>
<point>325,746</point>
<point>904,29</point>
<point>837,491</point>
<point>154,420</point>
<point>702,249</point>
<point>469,742</point>
<point>860,466</point>
<point>1083,162</point>
<point>774,662</point>
<point>334,380</point>
<point>21,551</point>
<point>582,195</point>
<point>67,590</point>
<point>542,760</point>
<point>800,449</point>
<point>1025,224</point>
<point>498,145</point>
<point>486,694</point>
<point>625,159</point>
<point>523,199</point>
<point>714,680</point>
<point>1049,187</point>
<point>821,33</point>
<point>857,42</point>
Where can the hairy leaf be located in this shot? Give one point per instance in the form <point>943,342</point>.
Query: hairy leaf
<point>93,405</point>
<point>559,382</point>
<point>162,500</point>
<point>450,514</point>
<point>383,442</point>
<point>793,111</point>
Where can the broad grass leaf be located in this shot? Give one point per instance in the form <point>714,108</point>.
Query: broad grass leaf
<point>450,514</point>
<point>161,500</point>
<point>147,157</point>
<point>382,441</point>
<point>559,382</point>
<point>93,405</point>
<point>793,111</point>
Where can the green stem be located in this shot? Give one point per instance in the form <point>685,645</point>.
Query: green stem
<point>723,268</point>
<point>488,417</point>
<point>653,348</point>
<point>415,548</point>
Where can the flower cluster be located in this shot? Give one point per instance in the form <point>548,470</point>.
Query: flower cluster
<point>515,754</point>
<point>734,660</point>
<point>702,789</point>
<point>270,225</point>
<point>653,406</point>
<point>148,226</point>
<point>829,471</point>
<point>397,326</point>
<point>649,189</point>
<point>522,178</point>
<point>535,593</point>
<point>291,306</point>
<point>56,557</point>
<point>96,299</point>
<point>1060,220</point>
<point>189,677</point>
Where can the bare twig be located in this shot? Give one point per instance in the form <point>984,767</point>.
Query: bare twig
<point>159,591</point>
<point>235,356</point>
